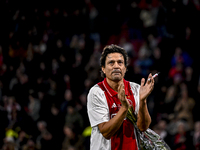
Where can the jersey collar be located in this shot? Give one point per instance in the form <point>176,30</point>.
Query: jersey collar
<point>110,91</point>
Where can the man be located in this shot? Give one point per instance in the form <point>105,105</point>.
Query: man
<point>109,100</point>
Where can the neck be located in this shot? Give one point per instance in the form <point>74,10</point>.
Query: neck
<point>114,84</point>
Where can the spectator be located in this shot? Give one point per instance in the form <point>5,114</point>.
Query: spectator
<point>72,139</point>
<point>83,109</point>
<point>33,106</point>
<point>44,139</point>
<point>12,107</point>
<point>158,60</point>
<point>176,72</point>
<point>184,108</point>
<point>30,145</point>
<point>73,117</point>
<point>68,97</point>
<point>182,139</point>
<point>196,135</point>
<point>9,143</point>
<point>92,67</point>
<point>170,99</point>
<point>161,129</point>
<point>22,140</point>
<point>181,57</point>
<point>55,125</point>
<point>144,61</point>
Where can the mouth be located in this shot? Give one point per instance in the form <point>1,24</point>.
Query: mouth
<point>116,72</point>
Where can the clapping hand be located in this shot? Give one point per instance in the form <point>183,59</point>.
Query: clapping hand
<point>146,88</point>
<point>122,96</point>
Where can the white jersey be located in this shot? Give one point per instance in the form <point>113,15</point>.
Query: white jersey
<point>98,112</point>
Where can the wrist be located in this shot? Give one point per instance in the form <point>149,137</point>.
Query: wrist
<point>124,108</point>
<point>143,101</point>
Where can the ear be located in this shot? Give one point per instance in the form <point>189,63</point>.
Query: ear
<point>125,70</point>
<point>103,69</point>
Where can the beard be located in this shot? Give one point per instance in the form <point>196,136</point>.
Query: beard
<point>117,77</point>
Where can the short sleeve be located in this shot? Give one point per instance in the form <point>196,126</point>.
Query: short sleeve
<point>136,89</point>
<point>97,107</point>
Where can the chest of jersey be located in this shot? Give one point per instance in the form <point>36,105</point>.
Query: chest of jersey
<point>124,138</point>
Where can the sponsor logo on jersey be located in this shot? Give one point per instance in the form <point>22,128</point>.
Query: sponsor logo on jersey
<point>114,105</point>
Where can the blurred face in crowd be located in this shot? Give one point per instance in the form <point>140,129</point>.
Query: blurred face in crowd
<point>68,95</point>
<point>41,126</point>
<point>197,126</point>
<point>70,110</point>
<point>181,128</point>
<point>114,68</point>
<point>11,100</point>
<point>68,132</point>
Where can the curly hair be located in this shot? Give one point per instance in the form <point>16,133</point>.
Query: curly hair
<point>112,49</point>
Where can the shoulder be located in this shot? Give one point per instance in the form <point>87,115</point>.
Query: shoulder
<point>96,95</point>
<point>136,92</point>
<point>95,90</point>
<point>134,86</point>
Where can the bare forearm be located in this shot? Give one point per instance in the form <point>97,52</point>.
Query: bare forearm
<point>144,118</point>
<point>108,129</point>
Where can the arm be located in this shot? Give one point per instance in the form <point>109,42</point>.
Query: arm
<point>108,129</point>
<point>144,119</point>
<point>178,106</point>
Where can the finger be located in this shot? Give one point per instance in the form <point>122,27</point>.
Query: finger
<point>127,102</point>
<point>149,78</point>
<point>153,81</point>
<point>122,90</point>
<point>151,85</point>
<point>119,91</point>
<point>142,82</point>
<point>123,93</point>
<point>119,88</point>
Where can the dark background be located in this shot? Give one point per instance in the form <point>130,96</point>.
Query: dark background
<point>49,59</point>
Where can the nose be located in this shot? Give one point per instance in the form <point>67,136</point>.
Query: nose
<point>116,65</point>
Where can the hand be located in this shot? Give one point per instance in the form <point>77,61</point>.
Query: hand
<point>122,96</point>
<point>145,89</point>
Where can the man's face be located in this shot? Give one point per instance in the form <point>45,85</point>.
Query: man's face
<point>114,67</point>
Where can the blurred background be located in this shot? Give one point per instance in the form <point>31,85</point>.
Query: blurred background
<point>49,59</point>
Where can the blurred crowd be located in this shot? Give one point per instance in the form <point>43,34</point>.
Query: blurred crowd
<point>49,59</point>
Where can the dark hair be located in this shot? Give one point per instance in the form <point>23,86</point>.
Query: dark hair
<point>112,49</point>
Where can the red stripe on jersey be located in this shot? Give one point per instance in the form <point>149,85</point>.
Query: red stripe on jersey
<point>124,138</point>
